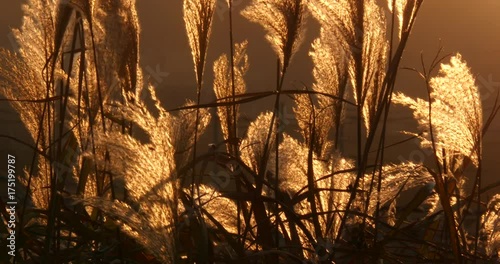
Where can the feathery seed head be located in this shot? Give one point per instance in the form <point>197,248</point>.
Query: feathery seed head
<point>148,170</point>
<point>252,146</point>
<point>223,86</point>
<point>405,12</point>
<point>359,33</point>
<point>117,35</point>
<point>456,114</point>
<point>283,21</point>
<point>198,15</point>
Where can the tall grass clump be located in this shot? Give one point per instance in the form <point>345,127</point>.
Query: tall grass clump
<point>117,178</point>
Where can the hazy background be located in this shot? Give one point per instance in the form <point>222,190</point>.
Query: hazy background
<point>463,26</point>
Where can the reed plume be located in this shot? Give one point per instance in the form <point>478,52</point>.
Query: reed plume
<point>284,23</point>
<point>315,123</point>
<point>332,180</point>
<point>116,34</point>
<point>58,93</point>
<point>330,77</point>
<point>360,31</point>
<point>405,11</point>
<point>457,117</point>
<point>183,131</point>
<point>223,86</point>
<point>24,75</point>
<point>198,15</point>
<point>252,146</point>
<point>148,170</point>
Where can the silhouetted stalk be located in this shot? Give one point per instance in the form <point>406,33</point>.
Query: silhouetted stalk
<point>381,147</point>
<point>234,133</point>
<point>477,181</point>
<point>338,107</point>
<point>198,18</point>
<point>250,97</point>
<point>358,60</point>
<point>63,92</point>
<point>310,175</point>
<point>53,199</point>
<point>477,187</point>
<point>98,82</point>
<point>233,137</point>
<point>276,153</point>
<point>388,86</point>
<point>440,186</point>
<point>39,138</point>
<point>197,121</point>
<point>63,16</point>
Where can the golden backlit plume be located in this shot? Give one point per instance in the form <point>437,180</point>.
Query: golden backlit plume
<point>223,86</point>
<point>23,71</point>
<point>198,15</point>
<point>330,198</point>
<point>117,30</point>
<point>456,114</point>
<point>183,131</point>
<point>405,11</point>
<point>330,70</point>
<point>283,21</point>
<point>332,180</point>
<point>315,123</point>
<point>373,63</point>
<point>148,171</point>
<point>252,146</point>
<point>359,31</point>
